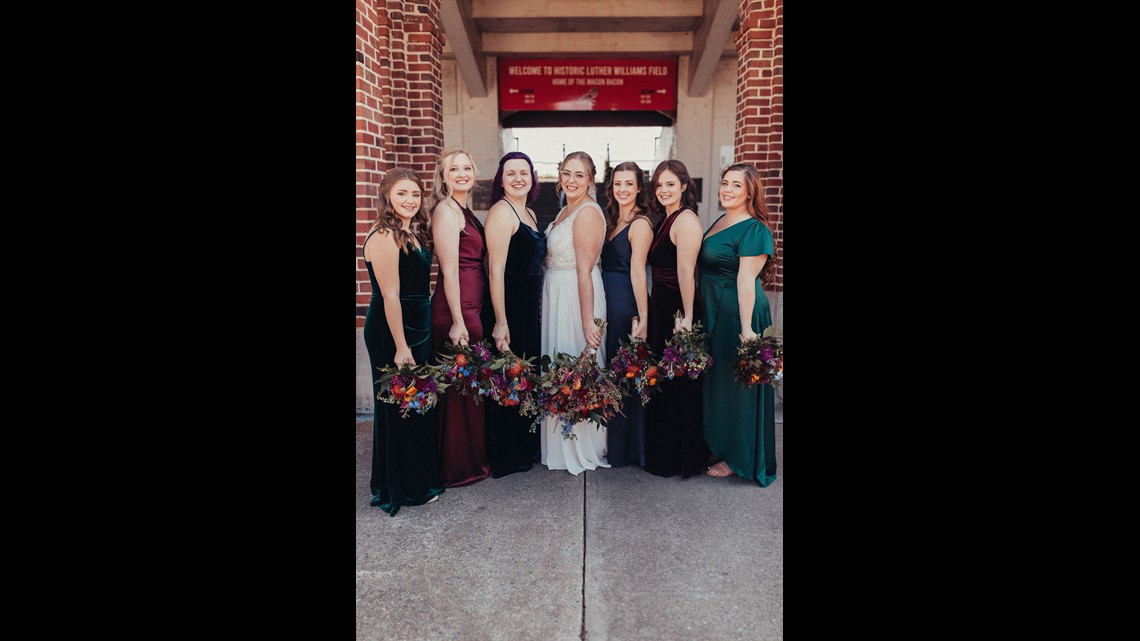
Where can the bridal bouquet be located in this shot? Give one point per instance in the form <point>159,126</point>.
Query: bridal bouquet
<point>574,389</point>
<point>760,360</point>
<point>685,353</point>
<point>636,369</point>
<point>413,387</point>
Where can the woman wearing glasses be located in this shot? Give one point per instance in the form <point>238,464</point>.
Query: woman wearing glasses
<point>572,296</point>
<point>515,252</point>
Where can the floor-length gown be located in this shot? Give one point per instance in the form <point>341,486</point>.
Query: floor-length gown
<point>739,422</point>
<point>562,332</point>
<point>625,439</point>
<point>405,467</point>
<point>511,445</point>
<point>674,443</point>
<point>460,420</point>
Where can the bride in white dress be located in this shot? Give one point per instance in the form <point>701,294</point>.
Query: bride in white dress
<point>572,296</point>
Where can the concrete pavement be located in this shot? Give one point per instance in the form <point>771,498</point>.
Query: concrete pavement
<point>608,555</point>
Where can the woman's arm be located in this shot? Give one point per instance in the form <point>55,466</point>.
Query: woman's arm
<point>384,255</point>
<point>686,235</point>
<point>500,226</point>
<point>746,274</point>
<point>640,237</point>
<point>445,235</point>
<point>589,231</point>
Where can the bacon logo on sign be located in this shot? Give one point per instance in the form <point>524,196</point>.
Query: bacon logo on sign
<point>543,84</point>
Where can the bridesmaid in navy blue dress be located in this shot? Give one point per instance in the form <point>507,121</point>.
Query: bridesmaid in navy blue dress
<point>516,249</point>
<point>629,231</point>
<point>397,330</point>
<point>674,441</point>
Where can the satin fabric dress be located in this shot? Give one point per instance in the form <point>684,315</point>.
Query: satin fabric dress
<point>562,332</point>
<point>674,442</point>
<point>625,439</point>
<point>739,422</point>
<point>405,465</point>
<point>511,445</point>
<point>462,440</point>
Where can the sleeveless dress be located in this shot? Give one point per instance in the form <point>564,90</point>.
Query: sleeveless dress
<point>625,440</point>
<point>511,445</point>
<point>460,421</point>
<point>562,332</point>
<point>405,469</point>
<point>674,443</point>
<point>740,422</point>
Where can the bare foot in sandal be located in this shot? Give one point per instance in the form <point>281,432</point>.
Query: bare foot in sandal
<point>720,470</point>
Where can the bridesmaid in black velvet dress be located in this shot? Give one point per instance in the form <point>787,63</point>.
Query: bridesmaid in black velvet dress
<point>674,439</point>
<point>516,249</point>
<point>397,329</point>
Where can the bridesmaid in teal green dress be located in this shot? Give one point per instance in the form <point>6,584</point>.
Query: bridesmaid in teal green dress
<point>397,330</point>
<point>735,260</point>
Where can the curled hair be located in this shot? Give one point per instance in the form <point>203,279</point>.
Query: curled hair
<point>497,191</point>
<point>590,170</point>
<point>688,197</point>
<point>386,217</point>
<point>757,208</point>
<point>440,190</point>
<point>640,204</point>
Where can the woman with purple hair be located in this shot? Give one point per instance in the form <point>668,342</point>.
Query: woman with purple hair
<point>516,249</point>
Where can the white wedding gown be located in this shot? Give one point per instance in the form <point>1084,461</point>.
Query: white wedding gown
<point>562,332</point>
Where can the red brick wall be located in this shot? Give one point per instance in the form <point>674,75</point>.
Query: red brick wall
<point>760,106</point>
<point>399,105</point>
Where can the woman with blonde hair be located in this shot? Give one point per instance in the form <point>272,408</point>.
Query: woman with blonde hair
<point>457,311</point>
<point>572,296</point>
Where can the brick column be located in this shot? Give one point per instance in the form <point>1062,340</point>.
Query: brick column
<point>760,106</point>
<point>399,105</point>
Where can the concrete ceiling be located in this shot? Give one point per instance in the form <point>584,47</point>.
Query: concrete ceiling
<point>701,29</point>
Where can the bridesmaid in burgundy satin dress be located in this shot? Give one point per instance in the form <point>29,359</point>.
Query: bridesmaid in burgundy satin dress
<point>674,439</point>
<point>456,312</point>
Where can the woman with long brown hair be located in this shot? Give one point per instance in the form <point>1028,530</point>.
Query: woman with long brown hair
<point>629,230</point>
<point>736,261</point>
<point>397,330</point>
<point>674,444</point>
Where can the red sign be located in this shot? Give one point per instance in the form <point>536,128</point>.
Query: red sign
<point>544,84</point>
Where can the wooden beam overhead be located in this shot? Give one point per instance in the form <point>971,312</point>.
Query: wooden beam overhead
<point>709,43</point>
<point>609,43</point>
<point>611,9</point>
<point>466,45</point>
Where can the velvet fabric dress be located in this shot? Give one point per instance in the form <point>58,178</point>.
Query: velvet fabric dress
<point>739,422</point>
<point>405,466</point>
<point>511,445</point>
<point>462,441</point>
<point>674,443</point>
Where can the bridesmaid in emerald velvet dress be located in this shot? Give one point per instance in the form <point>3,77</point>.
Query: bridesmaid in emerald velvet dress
<point>629,231</point>
<point>516,249</point>
<point>735,260</point>
<point>456,312</point>
<point>397,329</point>
<point>674,444</point>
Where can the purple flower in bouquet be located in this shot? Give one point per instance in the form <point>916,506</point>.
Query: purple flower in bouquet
<point>636,369</point>
<point>685,353</point>
<point>412,388</point>
<point>760,360</point>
